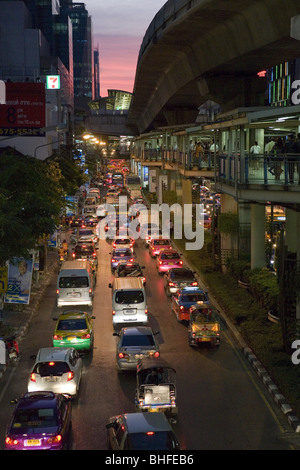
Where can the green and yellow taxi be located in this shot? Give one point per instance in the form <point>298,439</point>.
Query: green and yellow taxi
<point>74,329</point>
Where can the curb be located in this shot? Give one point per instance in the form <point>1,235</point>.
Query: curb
<point>262,373</point>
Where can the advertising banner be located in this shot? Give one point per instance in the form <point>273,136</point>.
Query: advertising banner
<point>24,111</point>
<point>19,281</point>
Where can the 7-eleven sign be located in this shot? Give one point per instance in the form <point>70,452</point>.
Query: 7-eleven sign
<point>53,82</point>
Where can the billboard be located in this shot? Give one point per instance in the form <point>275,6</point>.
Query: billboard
<point>24,111</point>
<point>19,281</point>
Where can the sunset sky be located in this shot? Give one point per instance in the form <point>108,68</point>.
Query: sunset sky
<point>119,27</point>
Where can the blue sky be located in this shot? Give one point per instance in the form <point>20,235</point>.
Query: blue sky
<point>119,27</point>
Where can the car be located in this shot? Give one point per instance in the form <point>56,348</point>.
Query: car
<point>91,220</point>
<point>83,233</point>
<point>120,254</point>
<point>133,344</point>
<point>74,328</point>
<point>177,278</point>
<point>40,421</point>
<point>86,251</point>
<point>120,242</point>
<point>148,232</point>
<point>184,298</point>
<point>168,259</point>
<point>156,245</point>
<point>76,222</point>
<point>130,269</point>
<point>141,431</point>
<point>58,370</point>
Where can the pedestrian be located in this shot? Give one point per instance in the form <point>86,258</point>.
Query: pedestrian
<point>289,149</point>
<point>255,150</point>
<point>269,145</point>
<point>296,149</point>
<point>276,153</point>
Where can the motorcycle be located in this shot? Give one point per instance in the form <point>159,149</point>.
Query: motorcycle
<point>12,348</point>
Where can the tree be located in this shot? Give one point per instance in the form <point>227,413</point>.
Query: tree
<point>31,200</point>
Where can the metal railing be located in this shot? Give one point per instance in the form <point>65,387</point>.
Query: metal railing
<point>283,169</point>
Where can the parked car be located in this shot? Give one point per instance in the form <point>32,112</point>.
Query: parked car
<point>168,259</point>
<point>40,421</point>
<point>135,343</point>
<point>74,328</point>
<point>130,269</point>
<point>57,370</point>
<point>156,245</point>
<point>184,298</point>
<point>141,431</point>
<point>177,278</point>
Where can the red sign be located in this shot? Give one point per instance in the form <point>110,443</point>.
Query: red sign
<point>24,111</point>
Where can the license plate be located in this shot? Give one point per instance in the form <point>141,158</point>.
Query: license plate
<point>154,410</point>
<point>74,294</point>
<point>204,339</point>
<point>139,356</point>
<point>129,312</point>
<point>51,379</point>
<point>33,442</point>
<point>72,338</point>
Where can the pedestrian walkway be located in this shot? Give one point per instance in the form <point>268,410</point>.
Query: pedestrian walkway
<point>14,319</point>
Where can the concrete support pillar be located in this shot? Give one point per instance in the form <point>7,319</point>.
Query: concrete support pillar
<point>292,235</point>
<point>258,229</point>
<point>172,179</point>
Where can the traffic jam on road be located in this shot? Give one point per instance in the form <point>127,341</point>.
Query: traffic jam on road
<point>42,416</point>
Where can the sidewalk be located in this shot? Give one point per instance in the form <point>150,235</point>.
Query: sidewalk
<point>16,320</point>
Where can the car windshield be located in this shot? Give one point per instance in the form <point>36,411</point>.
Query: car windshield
<point>71,282</point>
<point>193,297</point>
<point>170,256</point>
<point>137,340</point>
<point>86,232</point>
<point>163,440</point>
<point>161,242</point>
<point>46,369</point>
<point>130,297</point>
<point>122,253</point>
<point>84,249</point>
<point>34,421</point>
<point>122,241</point>
<point>72,324</point>
<point>182,275</point>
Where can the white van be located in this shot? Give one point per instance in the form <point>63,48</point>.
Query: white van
<point>129,302</point>
<point>75,283</point>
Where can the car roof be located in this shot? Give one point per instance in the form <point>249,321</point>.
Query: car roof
<point>37,400</point>
<point>53,354</point>
<point>180,270</point>
<point>146,422</point>
<point>72,314</point>
<point>191,290</point>
<point>136,330</point>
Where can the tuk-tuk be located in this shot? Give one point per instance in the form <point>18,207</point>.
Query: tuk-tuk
<point>156,387</point>
<point>203,325</point>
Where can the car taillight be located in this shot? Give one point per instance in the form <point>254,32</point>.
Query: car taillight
<point>114,245</point>
<point>160,262</point>
<point>180,262</point>
<point>70,376</point>
<point>150,433</point>
<point>171,284</point>
<point>144,279</point>
<point>73,255</point>
<point>122,355</point>
<point>86,336</point>
<point>113,260</point>
<point>146,311</point>
<point>57,337</point>
<point>55,439</point>
<point>32,377</point>
<point>11,442</point>
<point>194,284</point>
<point>113,312</point>
<point>131,259</point>
<point>156,354</point>
<point>57,291</point>
<point>90,291</point>
<point>94,254</point>
<point>182,307</point>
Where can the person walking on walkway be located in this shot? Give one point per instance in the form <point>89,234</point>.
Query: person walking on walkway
<point>255,150</point>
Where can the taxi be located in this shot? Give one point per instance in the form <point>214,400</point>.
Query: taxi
<point>168,259</point>
<point>183,299</point>
<point>74,329</point>
<point>156,245</point>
